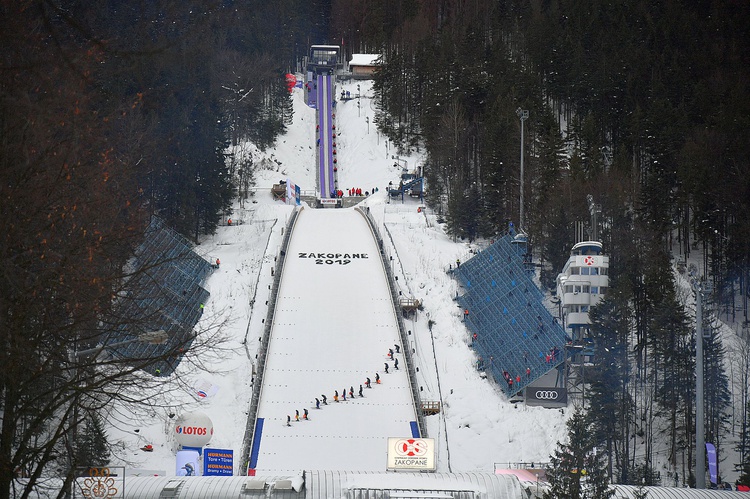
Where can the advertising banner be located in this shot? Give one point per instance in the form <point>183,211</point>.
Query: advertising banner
<point>218,462</point>
<point>589,261</point>
<point>194,429</point>
<point>187,463</point>
<point>411,454</point>
<point>104,483</point>
<point>713,471</point>
<point>291,192</point>
<point>546,396</point>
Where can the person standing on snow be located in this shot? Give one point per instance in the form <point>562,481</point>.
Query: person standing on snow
<point>360,391</point>
<point>304,416</point>
<point>367,383</point>
<point>386,367</point>
<point>288,420</point>
<point>317,403</point>
<point>343,394</point>
<point>336,396</point>
<point>395,364</point>
<point>325,399</point>
<point>377,378</point>
<point>351,392</point>
<point>296,415</point>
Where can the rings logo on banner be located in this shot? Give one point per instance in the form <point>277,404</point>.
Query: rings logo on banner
<point>546,395</point>
<point>411,447</point>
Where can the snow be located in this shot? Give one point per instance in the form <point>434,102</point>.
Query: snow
<point>364,59</point>
<point>333,326</point>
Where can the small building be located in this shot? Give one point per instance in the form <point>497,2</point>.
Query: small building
<point>363,66</point>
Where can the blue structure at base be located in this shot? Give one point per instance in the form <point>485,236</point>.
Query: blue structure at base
<point>166,293</point>
<point>256,443</point>
<point>415,429</point>
<point>512,331</point>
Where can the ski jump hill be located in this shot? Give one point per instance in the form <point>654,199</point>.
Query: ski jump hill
<point>333,326</point>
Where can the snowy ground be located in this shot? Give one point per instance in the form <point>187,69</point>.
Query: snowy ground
<point>333,328</point>
<point>477,428</point>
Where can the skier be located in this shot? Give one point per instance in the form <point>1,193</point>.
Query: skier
<point>386,367</point>
<point>360,391</point>
<point>367,383</point>
<point>325,399</point>
<point>377,378</point>
<point>317,403</point>
<point>304,416</point>
<point>288,420</point>
<point>395,364</point>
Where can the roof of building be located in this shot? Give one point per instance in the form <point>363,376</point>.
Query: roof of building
<point>364,60</point>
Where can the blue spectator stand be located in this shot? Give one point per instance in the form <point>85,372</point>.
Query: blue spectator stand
<point>165,292</point>
<point>514,330</point>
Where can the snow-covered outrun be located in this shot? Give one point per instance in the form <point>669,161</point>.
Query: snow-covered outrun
<point>333,327</point>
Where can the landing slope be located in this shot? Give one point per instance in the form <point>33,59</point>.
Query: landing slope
<point>334,324</point>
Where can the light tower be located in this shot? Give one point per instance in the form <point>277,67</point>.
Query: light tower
<point>700,438</point>
<point>523,115</point>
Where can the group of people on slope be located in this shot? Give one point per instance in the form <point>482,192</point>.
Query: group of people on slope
<point>342,396</point>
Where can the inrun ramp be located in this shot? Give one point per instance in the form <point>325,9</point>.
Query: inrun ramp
<point>326,134</point>
<point>333,326</point>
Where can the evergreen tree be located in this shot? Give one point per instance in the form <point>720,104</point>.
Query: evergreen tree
<point>92,448</point>
<point>611,404</point>
<point>577,470</point>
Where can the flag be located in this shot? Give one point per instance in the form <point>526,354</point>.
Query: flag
<point>712,468</point>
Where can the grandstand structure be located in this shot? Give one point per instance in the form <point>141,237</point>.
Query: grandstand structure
<point>165,292</point>
<point>517,339</point>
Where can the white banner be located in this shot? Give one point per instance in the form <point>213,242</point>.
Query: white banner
<point>411,454</point>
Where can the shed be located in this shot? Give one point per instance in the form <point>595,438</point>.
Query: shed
<point>363,66</point>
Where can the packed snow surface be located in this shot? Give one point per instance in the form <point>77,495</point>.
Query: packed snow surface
<point>333,326</point>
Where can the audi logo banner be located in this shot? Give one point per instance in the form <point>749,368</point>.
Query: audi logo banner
<point>546,396</point>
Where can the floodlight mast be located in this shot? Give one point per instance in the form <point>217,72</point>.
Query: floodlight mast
<point>700,438</point>
<point>523,115</point>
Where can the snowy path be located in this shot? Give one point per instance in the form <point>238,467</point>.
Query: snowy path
<point>334,324</point>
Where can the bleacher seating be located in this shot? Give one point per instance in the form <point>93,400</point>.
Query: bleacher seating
<point>510,327</point>
<point>166,293</point>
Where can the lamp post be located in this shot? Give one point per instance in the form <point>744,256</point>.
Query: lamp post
<point>700,439</point>
<point>523,115</point>
<point>406,163</point>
